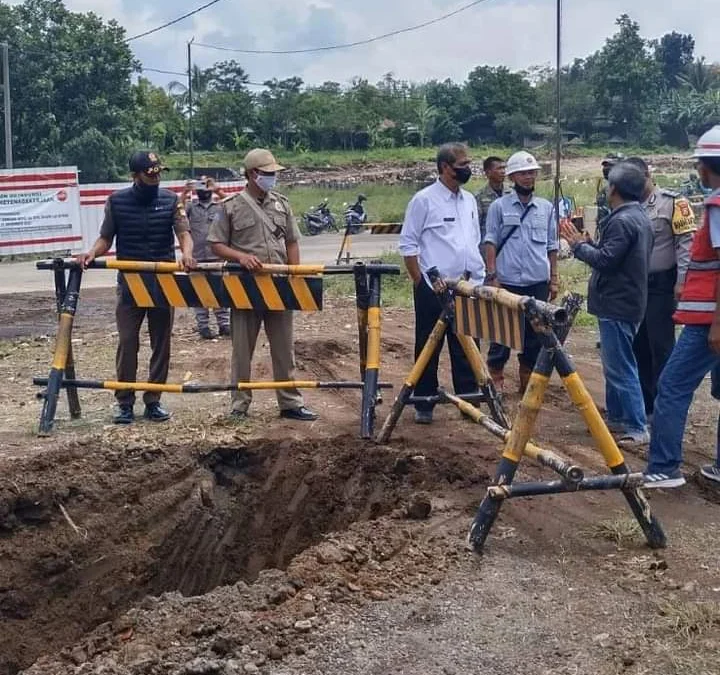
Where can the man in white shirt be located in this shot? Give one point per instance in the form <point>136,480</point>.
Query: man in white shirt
<point>441,229</point>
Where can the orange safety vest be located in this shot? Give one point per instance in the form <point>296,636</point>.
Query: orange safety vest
<point>698,300</point>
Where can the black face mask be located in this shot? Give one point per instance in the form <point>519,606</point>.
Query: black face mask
<point>146,193</point>
<point>204,195</point>
<point>462,174</point>
<point>523,191</point>
<point>606,172</point>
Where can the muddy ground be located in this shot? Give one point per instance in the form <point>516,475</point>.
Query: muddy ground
<point>206,547</point>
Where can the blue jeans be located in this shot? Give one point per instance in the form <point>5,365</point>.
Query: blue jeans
<point>623,393</point>
<point>691,361</point>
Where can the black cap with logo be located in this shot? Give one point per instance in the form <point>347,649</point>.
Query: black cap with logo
<point>146,162</point>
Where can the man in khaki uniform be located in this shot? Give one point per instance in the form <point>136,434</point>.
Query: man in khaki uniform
<point>673,226</point>
<point>257,227</point>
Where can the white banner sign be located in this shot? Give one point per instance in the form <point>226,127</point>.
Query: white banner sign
<point>39,210</point>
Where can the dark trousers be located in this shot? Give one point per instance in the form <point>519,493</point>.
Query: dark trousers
<point>499,354</point>
<point>656,336</point>
<point>160,323</point>
<point>427,312</point>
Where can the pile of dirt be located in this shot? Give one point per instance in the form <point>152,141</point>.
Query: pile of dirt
<point>88,532</point>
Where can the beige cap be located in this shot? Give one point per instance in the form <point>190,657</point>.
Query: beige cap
<point>261,159</point>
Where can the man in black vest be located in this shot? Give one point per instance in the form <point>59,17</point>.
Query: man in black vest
<point>142,220</point>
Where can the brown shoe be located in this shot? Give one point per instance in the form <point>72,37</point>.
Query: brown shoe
<point>524,372</point>
<point>498,378</point>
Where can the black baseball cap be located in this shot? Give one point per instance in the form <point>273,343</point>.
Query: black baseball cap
<point>144,161</point>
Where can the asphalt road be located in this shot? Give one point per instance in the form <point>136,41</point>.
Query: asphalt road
<point>23,277</point>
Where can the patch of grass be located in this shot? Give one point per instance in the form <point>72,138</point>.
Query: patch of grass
<point>620,530</point>
<point>689,618</point>
<point>386,203</point>
<point>574,276</point>
<point>396,290</point>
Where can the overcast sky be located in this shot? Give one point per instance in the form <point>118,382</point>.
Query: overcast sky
<point>514,33</point>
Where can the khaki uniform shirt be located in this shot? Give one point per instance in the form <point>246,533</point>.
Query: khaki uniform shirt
<point>674,224</point>
<point>239,227</point>
<point>201,216</point>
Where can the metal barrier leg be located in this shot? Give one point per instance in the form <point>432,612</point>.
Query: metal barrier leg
<point>72,392</point>
<point>372,366</point>
<point>580,396</point>
<point>514,449</point>
<point>344,246</point>
<point>62,348</point>
<point>433,342</point>
<point>482,376</point>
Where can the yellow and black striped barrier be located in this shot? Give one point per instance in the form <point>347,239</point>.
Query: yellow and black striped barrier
<point>149,284</point>
<point>545,319</point>
<point>228,289</point>
<point>385,228</point>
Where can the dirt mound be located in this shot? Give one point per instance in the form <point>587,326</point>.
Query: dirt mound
<point>89,532</point>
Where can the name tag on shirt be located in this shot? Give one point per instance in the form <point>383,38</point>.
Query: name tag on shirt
<point>448,220</point>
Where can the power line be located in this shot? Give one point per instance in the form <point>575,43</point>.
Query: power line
<point>173,22</point>
<point>347,45</point>
<point>162,72</point>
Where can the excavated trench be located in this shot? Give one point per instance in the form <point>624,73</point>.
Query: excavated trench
<point>86,535</point>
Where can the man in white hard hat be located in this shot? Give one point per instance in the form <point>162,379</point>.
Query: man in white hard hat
<point>697,351</point>
<point>521,245</point>
<point>257,227</point>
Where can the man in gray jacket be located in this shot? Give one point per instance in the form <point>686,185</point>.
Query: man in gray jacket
<point>617,295</point>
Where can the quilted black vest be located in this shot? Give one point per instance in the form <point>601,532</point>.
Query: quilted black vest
<point>144,231</point>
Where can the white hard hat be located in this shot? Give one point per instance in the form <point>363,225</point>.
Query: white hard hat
<point>708,144</point>
<point>521,161</point>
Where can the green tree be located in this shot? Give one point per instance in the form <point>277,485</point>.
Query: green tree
<point>157,122</point>
<point>627,79</point>
<point>70,72</point>
<point>277,112</point>
<point>674,53</point>
<point>496,91</point>
<point>95,155</point>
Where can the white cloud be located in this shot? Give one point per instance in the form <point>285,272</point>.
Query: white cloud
<point>515,33</point>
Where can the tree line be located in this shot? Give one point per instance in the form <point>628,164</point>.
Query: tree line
<point>77,99</point>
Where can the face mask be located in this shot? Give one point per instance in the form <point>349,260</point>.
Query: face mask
<point>204,195</point>
<point>606,172</point>
<point>523,191</point>
<point>462,174</point>
<point>265,183</point>
<point>146,193</point>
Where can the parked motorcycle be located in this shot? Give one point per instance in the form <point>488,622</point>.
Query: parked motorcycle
<point>319,219</point>
<point>356,216</point>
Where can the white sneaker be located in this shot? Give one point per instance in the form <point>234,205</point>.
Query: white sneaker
<point>632,440</point>
<point>711,472</point>
<point>664,480</point>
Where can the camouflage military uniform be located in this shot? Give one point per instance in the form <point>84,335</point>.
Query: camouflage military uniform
<point>484,199</point>
<point>674,224</point>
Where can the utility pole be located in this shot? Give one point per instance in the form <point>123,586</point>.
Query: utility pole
<point>558,107</point>
<point>191,132</point>
<point>6,101</point>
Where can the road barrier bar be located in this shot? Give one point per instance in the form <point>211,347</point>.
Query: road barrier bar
<point>217,284</point>
<point>170,267</point>
<point>546,458</point>
<point>553,313</point>
<point>199,388</point>
<point>553,357</point>
<point>628,481</point>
